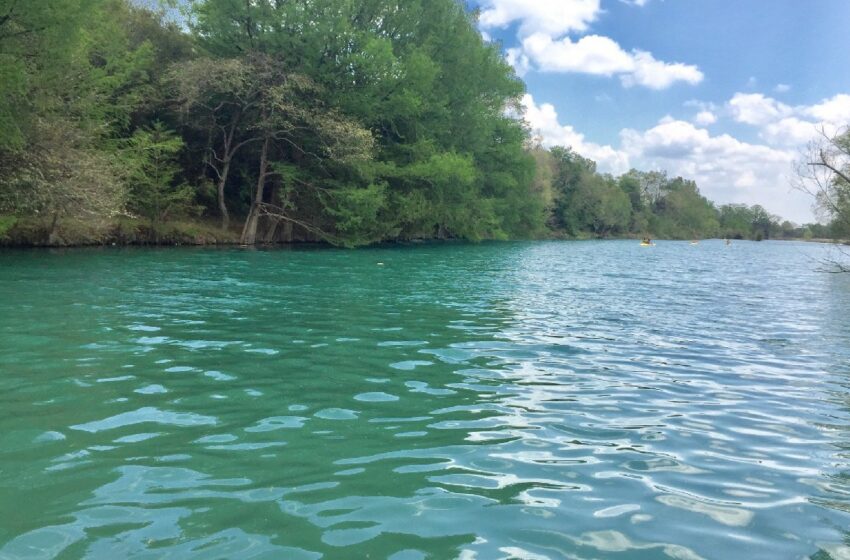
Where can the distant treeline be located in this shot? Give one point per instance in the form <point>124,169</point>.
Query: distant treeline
<point>584,202</point>
<point>266,121</point>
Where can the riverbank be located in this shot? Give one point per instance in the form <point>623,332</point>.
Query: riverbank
<point>129,231</point>
<point>825,240</point>
<point>38,232</point>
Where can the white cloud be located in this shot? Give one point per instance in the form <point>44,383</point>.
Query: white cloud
<point>552,17</point>
<point>598,55</point>
<point>835,111</point>
<point>543,120</point>
<point>676,139</point>
<point>782,125</point>
<point>782,88</point>
<point>705,118</point>
<point>543,31</point>
<point>789,131</point>
<point>656,74</point>
<point>756,109</point>
<point>519,61</point>
<point>592,54</point>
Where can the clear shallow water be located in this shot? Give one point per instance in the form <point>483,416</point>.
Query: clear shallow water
<point>560,400</point>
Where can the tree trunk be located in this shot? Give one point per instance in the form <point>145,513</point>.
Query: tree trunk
<point>249,232</point>
<point>52,238</point>
<point>271,232</point>
<point>225,215</point>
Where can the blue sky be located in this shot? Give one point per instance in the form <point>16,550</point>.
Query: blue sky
<point>727,92</point>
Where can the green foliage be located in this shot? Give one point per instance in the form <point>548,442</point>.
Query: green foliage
<point>6,223</point>
<point>684,212</point>
<point>738,221</point>
<point>601,207</point>
<point>151,158</point>
<point>38,40</point>
<point>60,174</point>
<point>432,93</point>
<point>359,214</point>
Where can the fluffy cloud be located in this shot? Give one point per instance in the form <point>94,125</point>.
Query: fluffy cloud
<point>595,54</point>
<point>552,17</point>
<point>789,131</point>
<point>519,60</point>
<point>705,118</point>
<point>683,148</point>
<point>656,74</point>
<point>592,54</point>
<point>756,109</point>
<point>835,111</point>
<point>544,27</point>
<point>543,120</point>
<point>779,124</point>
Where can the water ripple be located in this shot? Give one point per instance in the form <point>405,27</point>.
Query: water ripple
<point>549,400</point>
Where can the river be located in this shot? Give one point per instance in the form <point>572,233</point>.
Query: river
<point>508,400</point>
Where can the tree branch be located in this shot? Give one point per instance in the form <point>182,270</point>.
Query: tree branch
<point>825,163</point>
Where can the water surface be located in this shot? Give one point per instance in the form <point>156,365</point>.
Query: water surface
<point>522,400</point>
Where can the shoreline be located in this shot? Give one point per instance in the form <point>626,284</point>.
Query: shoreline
<point>37,233</point>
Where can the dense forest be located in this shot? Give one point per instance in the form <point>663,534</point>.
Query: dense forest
<point>263,121</point>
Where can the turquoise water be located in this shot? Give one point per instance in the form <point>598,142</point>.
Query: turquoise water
<point>522,400</point>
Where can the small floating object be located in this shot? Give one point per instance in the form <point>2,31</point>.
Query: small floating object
<point>694,242</point>
<point>380,264</point>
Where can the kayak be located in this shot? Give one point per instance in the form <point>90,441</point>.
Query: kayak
<point>647,244</point>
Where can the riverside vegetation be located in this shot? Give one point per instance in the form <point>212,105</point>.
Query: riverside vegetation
<point>264,122</point>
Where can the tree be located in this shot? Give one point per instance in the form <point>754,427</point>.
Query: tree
<point>573,170</point>
<point>824,173</point>
<point>291,121</point>
<point>218,96</point>
<point>601,207</point>
<point>37,41</point>
<point>684,211</point>
<point>155,192</point>
<point>736,221</point>
<point>59,175</point>
<point>418,76</point>
<point>77,81</point>
<point>763,223</point>
<point>545,168</point>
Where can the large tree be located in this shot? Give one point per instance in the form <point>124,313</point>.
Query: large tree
<point>72,80</point>
<point>824,173</point>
